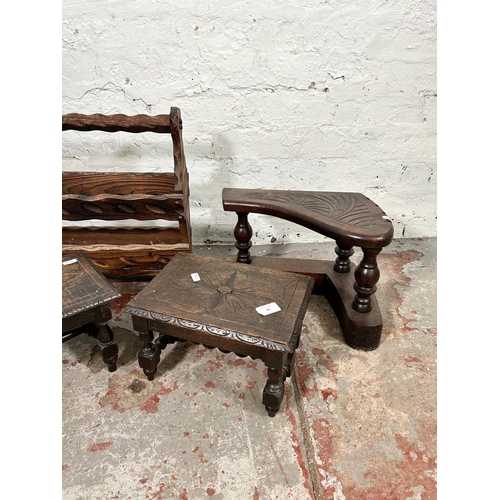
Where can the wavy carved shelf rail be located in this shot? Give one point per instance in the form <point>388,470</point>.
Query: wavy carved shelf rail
<point>135,251</point>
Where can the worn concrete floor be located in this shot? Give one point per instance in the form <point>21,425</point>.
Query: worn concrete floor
<point>353,425</point>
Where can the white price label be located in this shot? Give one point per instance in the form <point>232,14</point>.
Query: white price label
<point>195,277</point>
<point>70,261</point>
<point>268,309</point>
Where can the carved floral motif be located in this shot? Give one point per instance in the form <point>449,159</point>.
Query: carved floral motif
<point>222,332</point>
<point>342,207</point>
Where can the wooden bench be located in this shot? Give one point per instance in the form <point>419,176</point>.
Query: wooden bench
<point>352,220</point>
<point>133,251</point>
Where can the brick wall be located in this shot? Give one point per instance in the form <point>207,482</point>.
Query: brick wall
<point>326,95</point>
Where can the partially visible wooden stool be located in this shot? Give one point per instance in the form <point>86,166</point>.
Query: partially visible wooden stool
<point>352,220</point>
<point>86,295</point>
<point>212,302</point>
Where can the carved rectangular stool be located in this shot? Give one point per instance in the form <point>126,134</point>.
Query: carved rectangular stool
<point>212,302</point>
<point>86,295</point>
<point>352,220</point>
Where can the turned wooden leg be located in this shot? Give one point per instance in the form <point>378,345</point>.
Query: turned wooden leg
<point>243,234</point>
<point>149,355</point>
<point>275,388</point>
<point>109,350</point>
<point>290,359</point>
<point>343,262</point>
<point>287,369</point>
<point>101,331</point>
<point>366,275</point>
<point>163,340</point>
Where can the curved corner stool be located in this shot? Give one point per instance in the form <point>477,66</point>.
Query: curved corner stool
<point>352,220</point>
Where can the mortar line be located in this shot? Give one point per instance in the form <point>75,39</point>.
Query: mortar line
<point>308,442</point>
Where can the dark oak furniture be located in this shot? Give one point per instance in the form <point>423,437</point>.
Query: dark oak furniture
<point>134,251</point>
<point>217,308</point>
<point>86,295</point>
<point>352,220</point>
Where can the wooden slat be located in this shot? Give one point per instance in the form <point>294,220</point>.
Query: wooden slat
<point>122,236</point>
<point>112,207</point>
<point>117,123</point>
<point>129,260</point>
<point>119,183</point>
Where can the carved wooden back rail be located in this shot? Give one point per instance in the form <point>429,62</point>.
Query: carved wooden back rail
<point>126,252</point>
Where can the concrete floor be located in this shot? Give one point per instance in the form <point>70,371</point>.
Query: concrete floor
<point>353,425</point>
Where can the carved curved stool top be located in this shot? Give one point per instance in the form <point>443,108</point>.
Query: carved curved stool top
<point>352,219</point>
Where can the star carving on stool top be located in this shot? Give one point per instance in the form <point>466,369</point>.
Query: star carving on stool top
<point>228,293</point>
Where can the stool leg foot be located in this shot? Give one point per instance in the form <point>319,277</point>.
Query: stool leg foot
<point>243,234</point>
<point>361,331</point>
<point>273,391</point>
<point>109,350</point>
<point>149,355</point>
<point>275,388</point>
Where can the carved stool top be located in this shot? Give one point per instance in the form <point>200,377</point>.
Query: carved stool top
<point>83,285</point>
<point>223,298</point>
<point>349,218</point>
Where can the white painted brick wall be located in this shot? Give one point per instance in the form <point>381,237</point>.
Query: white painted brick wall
<point>332,95</point>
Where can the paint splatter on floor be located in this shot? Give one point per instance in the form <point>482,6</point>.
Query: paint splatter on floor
<point>353,425</point>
